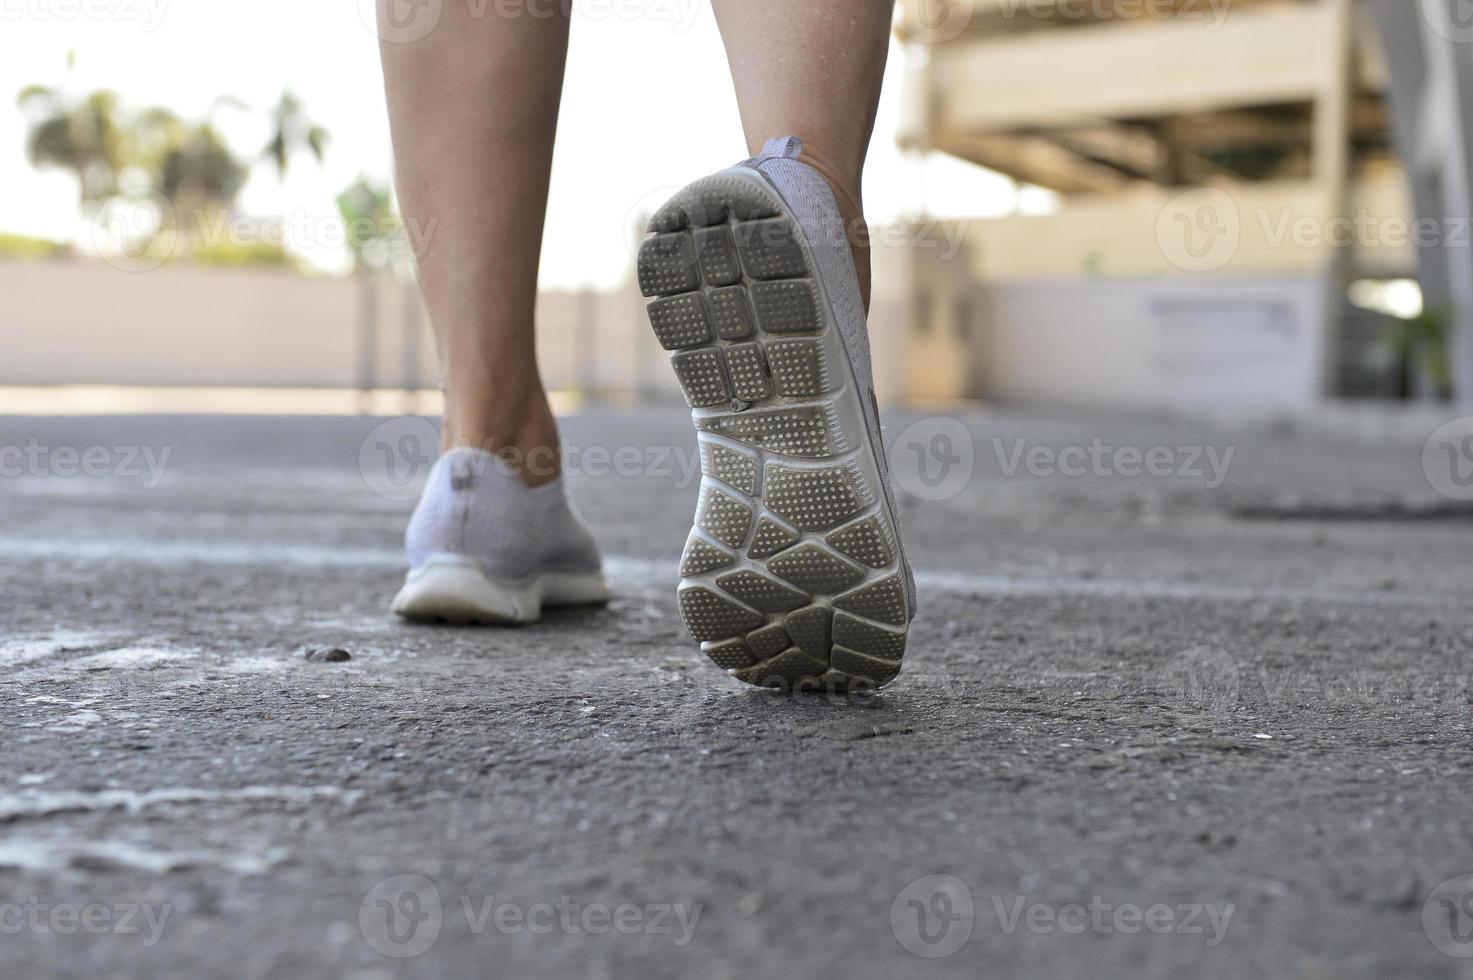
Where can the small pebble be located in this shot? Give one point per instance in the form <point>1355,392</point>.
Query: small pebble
<point>329,655</point>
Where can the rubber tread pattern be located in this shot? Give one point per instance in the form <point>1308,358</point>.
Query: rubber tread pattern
<point>810,591</point>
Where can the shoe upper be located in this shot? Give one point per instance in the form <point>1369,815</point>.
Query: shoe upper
<point>473,505</point>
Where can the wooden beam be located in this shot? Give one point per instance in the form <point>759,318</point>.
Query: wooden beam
<point>1129,149</point>
<point>934,21</point>
<point>1134,70</point>
<point>1036,161</point>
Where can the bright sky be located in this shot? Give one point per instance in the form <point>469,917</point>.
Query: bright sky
<point>647,107</point>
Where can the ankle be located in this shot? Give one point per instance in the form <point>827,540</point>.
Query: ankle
<point>526,440</point>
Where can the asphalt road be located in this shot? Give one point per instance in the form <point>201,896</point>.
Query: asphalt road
<point>1210,722</point>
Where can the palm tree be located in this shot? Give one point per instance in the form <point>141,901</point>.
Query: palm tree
<point>188,165</point>
<point>292,130</point>
<point>82,135</point>
<point>199,173</point>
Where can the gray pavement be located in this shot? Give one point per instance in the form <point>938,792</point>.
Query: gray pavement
<point>1150,725</point>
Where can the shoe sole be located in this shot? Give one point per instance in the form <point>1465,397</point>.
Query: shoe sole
<point>791,576</point>
<point>454,590</point>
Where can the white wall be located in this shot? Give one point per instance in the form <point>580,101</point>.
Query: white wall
<point>82,321</point>
<point>1228,342</point>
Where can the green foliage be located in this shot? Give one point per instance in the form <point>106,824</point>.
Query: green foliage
<point>198,171</point>
<point>23,247</point>
<point>100,142</point>
<point>253,254</point>
<point>110,149</point>
<point>83,135</point>
<point>375,232</point>
<point>292,130</point>
<point>1422,344</point>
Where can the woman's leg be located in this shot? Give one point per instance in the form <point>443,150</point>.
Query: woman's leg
<point>812,70</point>
<point>473,108</point>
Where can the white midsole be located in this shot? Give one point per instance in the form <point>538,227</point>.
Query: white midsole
<point>455,587</point>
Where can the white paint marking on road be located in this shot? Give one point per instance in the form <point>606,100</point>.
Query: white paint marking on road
<point>127,658</point>
<point>39,647</point>
<point>141,551</point>
<point>75,722</point>
<point>61,702</point>
<point>133,658</point>
<point>43,803</point>
<point>640,573</point>
<point>51,856</point>
<point>251,665</point>
<point>122,658</point>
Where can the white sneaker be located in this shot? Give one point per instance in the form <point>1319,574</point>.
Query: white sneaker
<point>484,547</point>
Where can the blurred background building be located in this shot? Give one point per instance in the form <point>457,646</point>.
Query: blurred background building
<point>1104,202</point>
<point>1234,225</point>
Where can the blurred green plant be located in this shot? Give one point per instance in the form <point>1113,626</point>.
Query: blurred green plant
<point>292,130</point>
<point>24,247</point>
<point>374,231</point>
<point>188,164</point>
<point>79,133</point>
<point>109,150</point>
<point>376,241</point>
<point>258,254</point>
<point>1421,346</point>
<point>185,162</point>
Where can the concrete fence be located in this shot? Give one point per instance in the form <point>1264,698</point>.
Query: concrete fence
<point>83,321</point>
